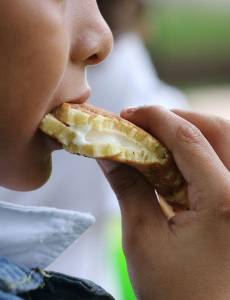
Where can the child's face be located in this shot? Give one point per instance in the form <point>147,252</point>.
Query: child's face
<point>45,46</point>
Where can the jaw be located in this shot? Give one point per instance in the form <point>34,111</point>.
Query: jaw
<point>26,170</point>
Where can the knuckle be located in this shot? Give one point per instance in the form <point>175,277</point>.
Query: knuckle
<point>188,133</point>
<point>222,124</point>
<point>223,205</point>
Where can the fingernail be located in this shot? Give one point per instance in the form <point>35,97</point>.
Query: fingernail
<point>107,166</point>
<point>130,110</point>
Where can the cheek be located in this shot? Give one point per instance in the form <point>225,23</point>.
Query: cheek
<point>31,68</point>
<point>44,74</point>
<point>34,55</point>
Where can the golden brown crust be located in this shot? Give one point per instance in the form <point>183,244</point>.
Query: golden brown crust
<point>165,178</point>
<point>61,113</point>
<point>159,169</point>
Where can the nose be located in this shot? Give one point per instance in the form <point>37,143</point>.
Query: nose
<point>93,40</point>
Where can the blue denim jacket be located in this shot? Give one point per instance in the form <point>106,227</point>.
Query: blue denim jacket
<point>17,283</point>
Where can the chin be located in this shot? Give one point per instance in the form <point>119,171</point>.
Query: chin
<point>37,166</point>
<point>27,167</point>
<point>36,175</point>
<point>37,180</point>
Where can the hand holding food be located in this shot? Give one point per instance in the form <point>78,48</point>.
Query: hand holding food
<point>187,257</point>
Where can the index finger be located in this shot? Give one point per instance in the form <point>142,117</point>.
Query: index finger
<point>214,128</point>
<point>194,156</point>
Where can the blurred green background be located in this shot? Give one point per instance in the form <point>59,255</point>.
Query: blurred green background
<point>190,41</point>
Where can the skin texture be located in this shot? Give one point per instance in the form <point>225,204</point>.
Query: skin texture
<point>45,47</point>
<point>187,257</point>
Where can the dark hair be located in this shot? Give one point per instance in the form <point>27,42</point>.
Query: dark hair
<point>121,15</point>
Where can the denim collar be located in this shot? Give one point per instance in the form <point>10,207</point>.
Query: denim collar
<point>36,236</point>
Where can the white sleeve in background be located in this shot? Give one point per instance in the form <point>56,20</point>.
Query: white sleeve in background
<point>128,78</point>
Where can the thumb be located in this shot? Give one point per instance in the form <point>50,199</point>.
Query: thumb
<point>137,199</point>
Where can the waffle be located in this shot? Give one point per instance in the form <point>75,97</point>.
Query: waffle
<point>95,133</point>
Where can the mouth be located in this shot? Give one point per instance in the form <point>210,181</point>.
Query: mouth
<point>53,144</point>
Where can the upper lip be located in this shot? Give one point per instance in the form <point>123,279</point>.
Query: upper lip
<point>82,98</point>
